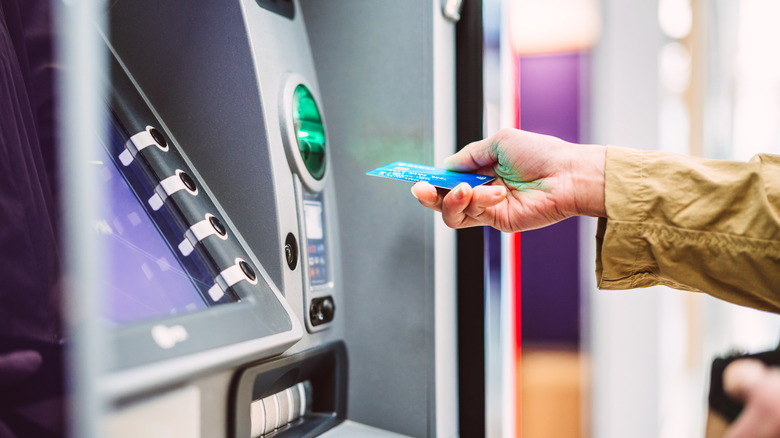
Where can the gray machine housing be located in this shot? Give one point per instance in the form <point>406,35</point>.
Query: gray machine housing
<point>218,78</point>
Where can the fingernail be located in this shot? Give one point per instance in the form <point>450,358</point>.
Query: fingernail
<point>458,192</point>
<point>415,196</point>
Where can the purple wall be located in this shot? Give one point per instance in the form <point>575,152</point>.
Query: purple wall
<point>550,96</point>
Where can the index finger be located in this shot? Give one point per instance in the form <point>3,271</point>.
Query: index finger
<point>428,195</point>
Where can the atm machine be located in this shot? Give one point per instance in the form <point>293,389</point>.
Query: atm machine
<point>216,130</point>
<point>229,270</point>
<point>254,283</point>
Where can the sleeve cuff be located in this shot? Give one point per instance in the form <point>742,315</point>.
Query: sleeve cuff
<point>624,257</point>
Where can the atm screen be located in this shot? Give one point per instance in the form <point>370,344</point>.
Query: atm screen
<point>147,278</point>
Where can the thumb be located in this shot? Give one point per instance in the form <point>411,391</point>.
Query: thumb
<point>741,376</point>
<point>473,156</point>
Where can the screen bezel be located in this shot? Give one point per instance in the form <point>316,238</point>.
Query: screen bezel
<point>260,325</point>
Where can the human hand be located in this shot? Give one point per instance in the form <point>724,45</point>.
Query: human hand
<point>540,180</point>
<point>758,386</point>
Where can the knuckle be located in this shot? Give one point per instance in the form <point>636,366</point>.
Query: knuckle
<point>503,134</point>
<point>450,221</point>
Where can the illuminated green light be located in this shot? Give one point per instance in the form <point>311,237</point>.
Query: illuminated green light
<point>309,131</point>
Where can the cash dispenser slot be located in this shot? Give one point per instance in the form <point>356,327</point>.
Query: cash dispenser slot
<point>298,396</point>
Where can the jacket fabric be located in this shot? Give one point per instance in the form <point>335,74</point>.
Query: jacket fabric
<point>694,224</point>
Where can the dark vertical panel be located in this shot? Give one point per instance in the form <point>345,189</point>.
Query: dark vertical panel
<point>550,101</point>
<point>471,243</point>
<point>31,352</point>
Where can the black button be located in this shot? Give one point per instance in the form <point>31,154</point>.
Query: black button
<point>291,251</point>
<point>328,308</point>
<point>188,181</point>
<point>158,137</point>
<point>321,310</point>
<point>218,226</point>
<point>248,271</point>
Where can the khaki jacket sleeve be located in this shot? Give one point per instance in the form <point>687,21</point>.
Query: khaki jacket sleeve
<point>694,224</point>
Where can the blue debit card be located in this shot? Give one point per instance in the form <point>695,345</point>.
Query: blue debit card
<point>436,176</point>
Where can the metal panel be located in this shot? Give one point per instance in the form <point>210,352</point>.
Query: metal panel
<point>386,100</point>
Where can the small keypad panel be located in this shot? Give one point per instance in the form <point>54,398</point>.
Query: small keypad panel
<point>316,240</point>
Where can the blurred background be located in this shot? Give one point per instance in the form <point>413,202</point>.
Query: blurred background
<point>687,76</point>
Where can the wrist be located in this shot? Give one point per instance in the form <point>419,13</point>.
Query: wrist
<point>588,180</point>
